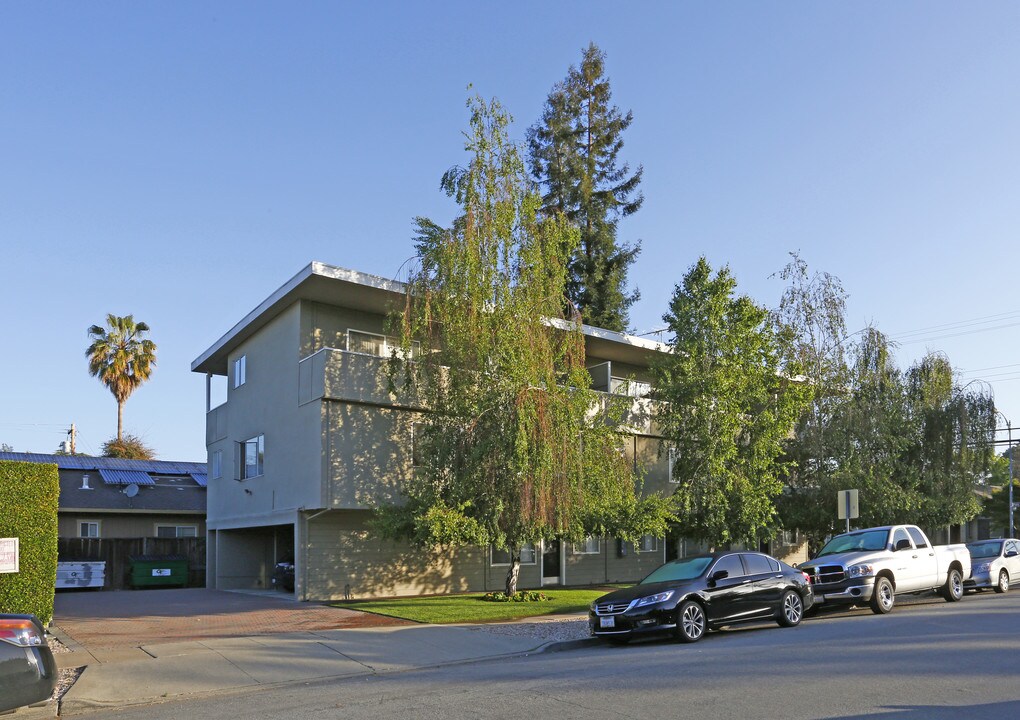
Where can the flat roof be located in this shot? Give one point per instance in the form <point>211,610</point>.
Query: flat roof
<point>332,285</point>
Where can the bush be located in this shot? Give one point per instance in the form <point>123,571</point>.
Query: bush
<point>129,447</point>
<point>519,596</point>
<point>28,511</point>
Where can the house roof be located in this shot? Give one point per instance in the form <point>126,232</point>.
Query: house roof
<point>161,486</point>
<point>331,285</point>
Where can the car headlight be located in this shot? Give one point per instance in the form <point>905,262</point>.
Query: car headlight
<point>982,567</point>
<point>653,599</point>
<point>860,571</point>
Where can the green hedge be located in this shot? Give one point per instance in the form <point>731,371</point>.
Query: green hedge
<point>28,511</point>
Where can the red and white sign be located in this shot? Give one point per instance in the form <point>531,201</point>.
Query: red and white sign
<point>8,555</point>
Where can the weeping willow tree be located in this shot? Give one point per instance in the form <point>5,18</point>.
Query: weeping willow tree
<point>515,447</point>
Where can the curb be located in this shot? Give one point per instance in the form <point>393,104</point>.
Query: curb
<point>568,645</point>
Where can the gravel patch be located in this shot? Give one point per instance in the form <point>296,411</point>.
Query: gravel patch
<point>546,630</point>
<point>65,677</point>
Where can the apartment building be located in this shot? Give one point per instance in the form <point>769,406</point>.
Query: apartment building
<point>310,439</point>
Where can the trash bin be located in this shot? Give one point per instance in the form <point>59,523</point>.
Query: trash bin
<point>158,570</point>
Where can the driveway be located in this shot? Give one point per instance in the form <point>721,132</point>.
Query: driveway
<point>109,619</point>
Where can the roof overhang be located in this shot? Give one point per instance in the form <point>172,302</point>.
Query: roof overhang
<point>331,285</point>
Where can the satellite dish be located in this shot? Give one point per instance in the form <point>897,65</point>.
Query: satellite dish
<point>131,490</point>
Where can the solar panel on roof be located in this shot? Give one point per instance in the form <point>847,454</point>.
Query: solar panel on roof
<point>201,478</point>
<point>125,477</point>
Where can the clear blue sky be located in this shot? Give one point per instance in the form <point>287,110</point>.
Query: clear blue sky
<point>181,160</point>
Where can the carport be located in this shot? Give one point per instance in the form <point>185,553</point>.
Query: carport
<point>245,558</point>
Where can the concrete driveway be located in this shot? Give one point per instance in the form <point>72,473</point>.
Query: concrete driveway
<point>111,619</point>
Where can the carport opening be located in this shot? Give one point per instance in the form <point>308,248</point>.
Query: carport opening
<point>260,558</point>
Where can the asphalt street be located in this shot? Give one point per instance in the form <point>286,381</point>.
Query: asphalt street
<point>923,661</point>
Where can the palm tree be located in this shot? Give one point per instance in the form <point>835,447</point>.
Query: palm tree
<point>121,358</point>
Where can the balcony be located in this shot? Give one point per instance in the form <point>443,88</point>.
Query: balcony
<point>332,374</point>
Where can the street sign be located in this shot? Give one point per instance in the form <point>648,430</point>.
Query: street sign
<point>846,506</point>
<point>9,555</point>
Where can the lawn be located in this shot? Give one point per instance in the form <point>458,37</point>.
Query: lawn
<point>470,608</point>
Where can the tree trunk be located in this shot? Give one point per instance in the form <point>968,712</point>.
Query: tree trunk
<point>513,572</point>
<point>120,420</point>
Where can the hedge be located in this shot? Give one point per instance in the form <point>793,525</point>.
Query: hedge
<point>28,511</point>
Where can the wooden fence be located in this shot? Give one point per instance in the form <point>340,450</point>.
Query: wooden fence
<point>116,553</point>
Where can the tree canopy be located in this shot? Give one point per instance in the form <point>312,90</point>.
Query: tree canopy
<point>574,151</point>
<point>122,358</point>
<point>514,446</point>
<point>727,405</point>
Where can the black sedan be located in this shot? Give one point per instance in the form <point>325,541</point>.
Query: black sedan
<point>689,596</point>
<point>28,672</point>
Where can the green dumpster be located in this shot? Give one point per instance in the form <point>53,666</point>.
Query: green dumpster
<point>158,570</point>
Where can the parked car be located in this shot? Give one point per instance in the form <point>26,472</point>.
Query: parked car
<point>28,672</point>
<point>995,564</point>
<point>689,596</point>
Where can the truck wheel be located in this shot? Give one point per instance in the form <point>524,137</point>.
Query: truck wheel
<point>1003,584</point>
<point>952,591</point>
<point>884,598</point>
<point>791,609</point>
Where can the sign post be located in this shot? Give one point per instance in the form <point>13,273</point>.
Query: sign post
<point>9,555</point>
<point>846,506</point>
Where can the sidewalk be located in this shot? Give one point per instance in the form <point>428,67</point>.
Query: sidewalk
<point>184,653</point>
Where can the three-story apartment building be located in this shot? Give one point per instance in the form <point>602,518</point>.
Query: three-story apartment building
<point>310,439</point>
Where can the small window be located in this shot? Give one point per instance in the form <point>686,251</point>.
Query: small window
<point>917,536</point>
<point>368,343</point>
<point>590,546</point>
<point>176,531</point>
<point>502,557</point>
<point>252,454</point>
<point>673,456</point>
<point>647,543</point>
<point>731,564</point>
<point>757,564</point>
<point>216,464</point>
<point>88,529</point>
<point>239,371</point>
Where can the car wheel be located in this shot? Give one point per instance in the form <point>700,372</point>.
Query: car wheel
<point>953,589</point>
<point>792,609</point>
<point>690,622</point>
<point>884,598</point>
<point>1003,584</point>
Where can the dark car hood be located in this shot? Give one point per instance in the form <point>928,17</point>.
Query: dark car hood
<point>625,595</point>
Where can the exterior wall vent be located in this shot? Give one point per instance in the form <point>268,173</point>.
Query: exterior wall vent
<point>85,482</point>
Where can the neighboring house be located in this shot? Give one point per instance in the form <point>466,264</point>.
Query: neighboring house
<point>112,498</point>
<point>310,439</point>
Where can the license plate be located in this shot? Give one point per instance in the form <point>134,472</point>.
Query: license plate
<point>607,622</point>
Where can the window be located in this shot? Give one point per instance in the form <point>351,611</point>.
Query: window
<point>631,388</point>
<point>917,537</point>
<point>757,564</point>
<point>239,371</point>
<point>673,456</point>
<point>900,534</point>
<point>216,464</point>
<point>176,531</point>
<point>252,453</point>
<point>502,557</point>
<point>590,546</point>
<point>368,343</point>
<point>88,529</point>
<point>647,543</point>
<point>731,564</point>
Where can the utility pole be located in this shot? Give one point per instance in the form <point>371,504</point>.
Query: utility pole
<point>1009,430</point>
<point>73,434</point>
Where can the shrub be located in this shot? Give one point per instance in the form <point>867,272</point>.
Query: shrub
<point>519,596</point>
<point>28,511</point>
<point>130,447</point>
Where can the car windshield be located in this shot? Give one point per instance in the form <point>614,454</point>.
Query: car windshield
<point>852,542</point>
<point>684,569</point>
<point>984,549</point>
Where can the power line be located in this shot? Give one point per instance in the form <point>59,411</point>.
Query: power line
<point>952,335</point>
<point>960,323</point>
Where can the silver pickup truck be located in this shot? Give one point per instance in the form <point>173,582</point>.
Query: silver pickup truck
<point>873,565</point>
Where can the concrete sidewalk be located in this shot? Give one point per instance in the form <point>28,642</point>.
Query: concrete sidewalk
<point>149,646</point>
<point>154,673</point>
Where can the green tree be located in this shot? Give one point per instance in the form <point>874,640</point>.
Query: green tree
<point>129,447</point>
<point>728,406</point>
<point>122,358</point>
<point>996,505</point>
<point>574,151</point>
<point>512,449</point>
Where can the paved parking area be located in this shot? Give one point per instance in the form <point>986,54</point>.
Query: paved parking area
<point>108,619</point>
